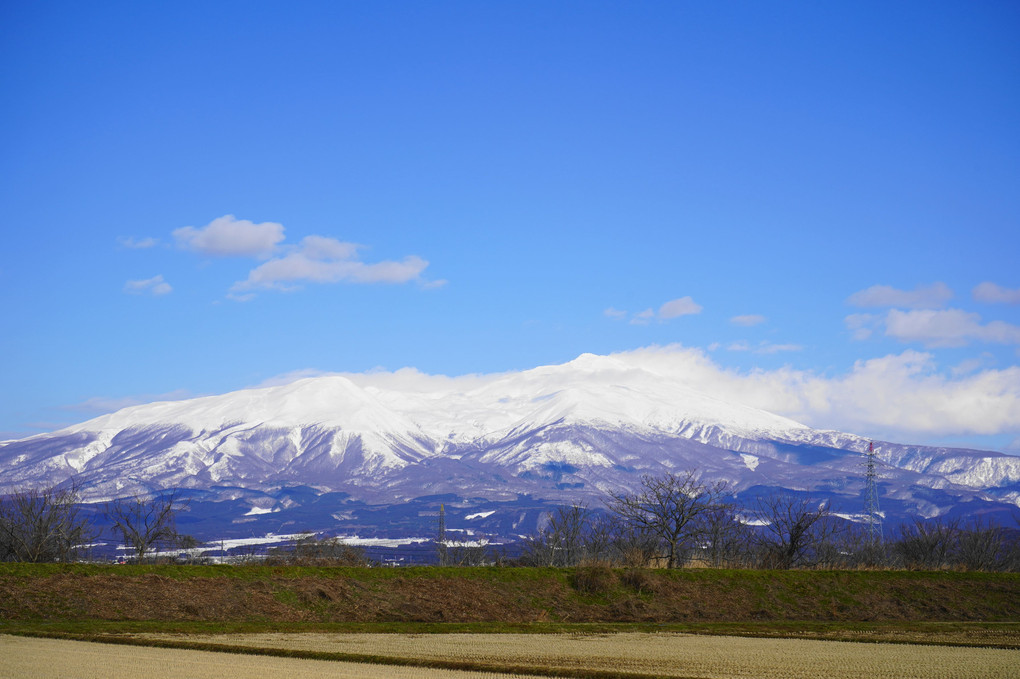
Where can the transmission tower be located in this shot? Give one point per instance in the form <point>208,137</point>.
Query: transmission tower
<point>441,538</point>
<point>871,498</point>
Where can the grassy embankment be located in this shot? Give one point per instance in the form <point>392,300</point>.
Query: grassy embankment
<point>88,600</point>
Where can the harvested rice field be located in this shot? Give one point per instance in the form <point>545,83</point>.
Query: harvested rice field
<point>29,658</point>
<point>650,654</point>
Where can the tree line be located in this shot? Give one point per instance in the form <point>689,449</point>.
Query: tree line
<point>671,521</point>
<point>677,520</point>
<point>50,525</point>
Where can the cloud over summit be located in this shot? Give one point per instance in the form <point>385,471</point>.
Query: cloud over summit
<point>903,395</point>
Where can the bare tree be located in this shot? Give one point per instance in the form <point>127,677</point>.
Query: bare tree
<point>982,546</point>
<point>856,547</point>
<point>926,545</point>
<point>564,541</point>
<point>43,525</point>
<point>603,538</point>
<point>631,545</point>
<point>144,523</point>
<point>669,507</point>
<point>795,532</point>
<point>1011,550</point>
<point>725,539</point>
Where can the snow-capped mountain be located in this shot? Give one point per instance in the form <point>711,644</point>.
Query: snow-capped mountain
<point>556,433</point>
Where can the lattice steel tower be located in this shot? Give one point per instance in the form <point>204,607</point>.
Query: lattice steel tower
<point>441,539</point>
<point>871,498</point>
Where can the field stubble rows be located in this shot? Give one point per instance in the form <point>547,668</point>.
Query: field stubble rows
<point>652,654</point>
<point>32,658</point>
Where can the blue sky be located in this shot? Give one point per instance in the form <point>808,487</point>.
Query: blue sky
<point>202,197</point>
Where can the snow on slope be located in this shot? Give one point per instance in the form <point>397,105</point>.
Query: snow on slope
<point>589,389</point>
<point>605,389</point>
<point>331,430</point>
<point>594,422</point>
<point>331,401</point>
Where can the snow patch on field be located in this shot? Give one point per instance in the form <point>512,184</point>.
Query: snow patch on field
<point>259,510</point>
<point>380,542</point>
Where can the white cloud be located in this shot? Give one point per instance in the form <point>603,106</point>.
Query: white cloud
<point>947,328</point>
<point>933,327</point>
<point>970,365</point>
<point>228,236</point>
<point>932,296</point>
<point>326,260</point>
<point>900,395</point>
<point>748,320</point>
<point>763,347</point>
<point>769,348</point>
<point>861,325</point>
<point>643,317</point>
<point>152,286</point>
<point>323,248</point>
<point>683,306</point>
<point>991,293</point>
<point>133,243</point>
<point>316,259</point>
<point>615,314</point>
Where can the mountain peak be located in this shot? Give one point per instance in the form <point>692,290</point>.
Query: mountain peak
<point>595,423</point>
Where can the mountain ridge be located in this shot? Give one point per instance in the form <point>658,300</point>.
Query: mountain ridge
<point>563,433</point>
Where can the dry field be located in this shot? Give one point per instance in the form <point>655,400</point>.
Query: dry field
<point>651,654</point>
<point>28,658</point>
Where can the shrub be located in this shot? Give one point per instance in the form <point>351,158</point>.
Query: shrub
<point>639,580</point>
<point>593,580</point>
